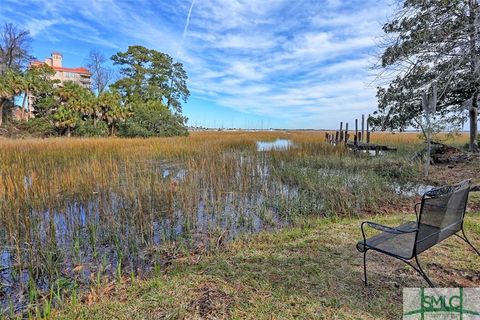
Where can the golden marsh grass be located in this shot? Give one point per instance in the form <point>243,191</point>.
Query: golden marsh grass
<point>83,209</point>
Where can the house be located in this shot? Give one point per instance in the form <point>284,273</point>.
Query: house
<point>79,75</point>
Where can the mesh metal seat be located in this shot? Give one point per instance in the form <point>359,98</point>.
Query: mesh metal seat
<point>400,244</point>
<point>441,215</point>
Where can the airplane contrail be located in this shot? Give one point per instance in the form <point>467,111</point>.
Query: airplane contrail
<point>185,29</point>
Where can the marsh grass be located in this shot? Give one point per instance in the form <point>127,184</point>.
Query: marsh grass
<point>89,210</point>
<point>311,271</point>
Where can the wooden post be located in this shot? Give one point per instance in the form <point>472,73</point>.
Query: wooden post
<point>368,130</point>
<point>356,127</point>
<point>337,135</point>
<point>360,137</point>
<point>355,140</point>
<point>346,133</point>
<point>363,127</point>
<point>341,131</point>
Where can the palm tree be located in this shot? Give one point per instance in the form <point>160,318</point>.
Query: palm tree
<point>30,84</point>
<point>78,99</point>
<point>65,120</point>
<point>37,80</point>
<point>84,103</point>
<point>111,109</point>
<point>68,91</point>
<point>73,102</point>
<point>10,85</point>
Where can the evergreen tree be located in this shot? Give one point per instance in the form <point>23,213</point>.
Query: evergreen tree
<point>152,83</point>
<point>431,41</point>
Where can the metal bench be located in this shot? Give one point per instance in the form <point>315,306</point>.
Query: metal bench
<point>441,215</point>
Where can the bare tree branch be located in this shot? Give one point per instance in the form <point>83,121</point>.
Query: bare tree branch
<point>102,76</point>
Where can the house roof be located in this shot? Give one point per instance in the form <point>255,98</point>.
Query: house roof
<point>57,53</point>
<point>80,70</point>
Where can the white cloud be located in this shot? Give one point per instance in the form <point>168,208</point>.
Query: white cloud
<point>312,62</point>
<point>35,26</point>
<point>279,58</point>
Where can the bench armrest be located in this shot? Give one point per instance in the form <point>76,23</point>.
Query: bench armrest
<point>417,212</point>
<point>386,228</point>
<point>382,228</point>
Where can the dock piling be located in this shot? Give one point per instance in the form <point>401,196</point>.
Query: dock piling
<point>363,127</point>
<point>346,133</point>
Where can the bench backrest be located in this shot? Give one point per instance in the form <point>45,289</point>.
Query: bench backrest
<point>441,214</point>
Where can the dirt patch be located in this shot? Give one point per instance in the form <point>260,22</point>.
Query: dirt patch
<point>210,302</point>
<point>455,277</point>
<point>443,154</point>
<point>441,174</point>
<point>451,165</point>
<point>449,174</point>
<point>401,205</point>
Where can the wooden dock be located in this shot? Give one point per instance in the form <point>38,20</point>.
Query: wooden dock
<point>361,142</point>
<point>370,147</point>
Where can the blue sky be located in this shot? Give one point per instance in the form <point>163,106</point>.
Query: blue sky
<point>251,63</point>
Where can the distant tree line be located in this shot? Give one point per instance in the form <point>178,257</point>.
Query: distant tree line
<point>431,43</point>
<point>146,99</point>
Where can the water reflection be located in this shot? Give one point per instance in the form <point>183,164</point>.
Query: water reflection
<point>279,144</point>
<point>412,189</point>
<point>123,226</point>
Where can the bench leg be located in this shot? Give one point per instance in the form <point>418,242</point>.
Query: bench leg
<point>464,238</point>
<point>422,273</point>
<point>365,267</point>
<point>417,268</point>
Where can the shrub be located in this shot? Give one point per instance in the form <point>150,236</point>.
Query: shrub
<point>40,127</point>
<point>90,129</point>
<point>131,129</point>
<point>153,119</point>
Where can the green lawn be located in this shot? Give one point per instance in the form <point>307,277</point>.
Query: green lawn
<point>310,271</point>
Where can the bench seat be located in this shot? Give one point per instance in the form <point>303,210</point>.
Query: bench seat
<point>441,216</point>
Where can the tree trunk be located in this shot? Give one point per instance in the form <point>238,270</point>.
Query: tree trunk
<point>170,93</point>
<point>473,112</point>
<point>25,113</point>
<point>69,134</point>
<point>4,101</point>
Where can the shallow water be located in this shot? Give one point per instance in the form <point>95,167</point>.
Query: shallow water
<point>123,226</point>
<point>412,190</point>
<point>153,206</point>
<point>279,144</point>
